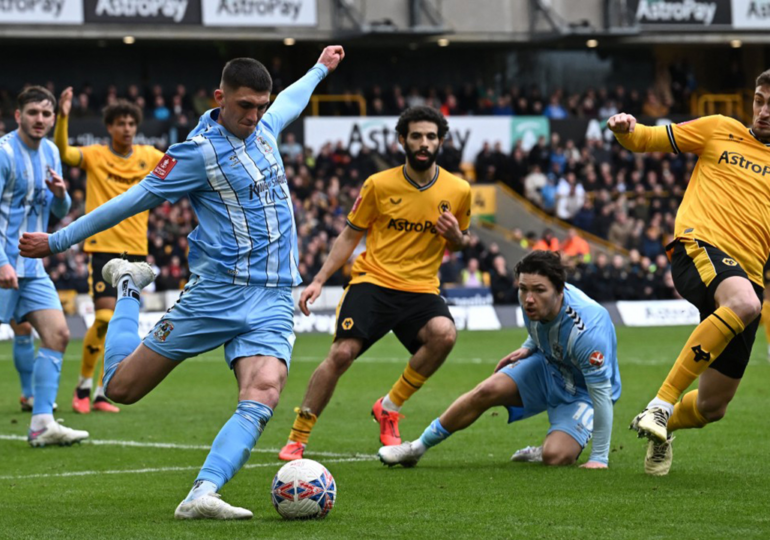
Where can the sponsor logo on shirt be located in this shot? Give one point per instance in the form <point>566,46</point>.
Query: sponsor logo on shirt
<point>408,226</point>
<point>736,159</point>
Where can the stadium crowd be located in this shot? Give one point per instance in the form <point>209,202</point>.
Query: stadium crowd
<point>628,200</point>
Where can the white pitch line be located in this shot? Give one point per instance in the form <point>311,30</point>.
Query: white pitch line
<point>174,446</point>
<point>163,469</point>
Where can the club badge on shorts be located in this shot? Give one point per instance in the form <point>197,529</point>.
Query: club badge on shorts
<point>163,330</point>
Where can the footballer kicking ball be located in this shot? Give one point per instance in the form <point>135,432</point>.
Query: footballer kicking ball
<point>304,489</point>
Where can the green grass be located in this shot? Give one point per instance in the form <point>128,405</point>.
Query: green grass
<point>465,488</point>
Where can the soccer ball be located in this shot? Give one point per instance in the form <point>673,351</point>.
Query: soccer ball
<point>303,489</point>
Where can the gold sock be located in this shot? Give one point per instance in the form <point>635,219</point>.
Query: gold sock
<point>705,344</point>
<point>407,384</point>
<point>93,342</point>
<point>686,414</point>
<point>303,425</point>
<point>766,319</point>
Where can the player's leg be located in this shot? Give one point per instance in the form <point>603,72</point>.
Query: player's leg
<point>319,391</point>
<point>560,448</point>
<point>260,358</point>
<point>435,340</point>
<point>51,326</point>
<point>24,361</point>
<point>766,318</point>
<point>426,328</point>
<point>93,349</point>
<point>499,389</point>
<point>260,382</point>
<point>727,301</point>
<point>364,315</point>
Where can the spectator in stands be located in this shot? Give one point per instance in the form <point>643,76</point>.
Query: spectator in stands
<point>450,156</point>
<point>450,268</point>
<point>160,111</point>
<point>547,242</point>
<point>554,110</point>
<point>652,244</point>
<point>621,230</point>
<point>570,197</point>
<point>576,247</point>
<point>653,106</point>
<point>533,184</point>
<point>290,147</point>
<point>472,276</point>
<point>502,283</point>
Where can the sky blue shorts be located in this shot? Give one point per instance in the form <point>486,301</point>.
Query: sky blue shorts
<point>248,321</point>
<point>542,390</point>
<point>33,294</point>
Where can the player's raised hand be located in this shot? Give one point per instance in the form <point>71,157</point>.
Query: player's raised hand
<point>621,123</point>
<point>593,465</point>
<point>310,294</point>
<point>332,56</point>
<point>448,227</point>
<point>65,102</point>
<point>34,245</point>
<point>515,356</point>
<point>56,184</point>
<point>8,279</point>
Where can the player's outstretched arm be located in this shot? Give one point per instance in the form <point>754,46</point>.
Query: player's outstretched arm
<point>638,137</point>
<point>69,155</point>
<point>135,200</point>
<point>291,102</point>
<point>341,251</point>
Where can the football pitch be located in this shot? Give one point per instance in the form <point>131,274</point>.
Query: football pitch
<point>139,464</point>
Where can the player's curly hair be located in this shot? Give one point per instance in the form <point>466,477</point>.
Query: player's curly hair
<point>119,109</point>
<point>246,72</point>
<point>764,78</point>
<point>421,114</point>
<point>543,263</point>
<point>34,94</point>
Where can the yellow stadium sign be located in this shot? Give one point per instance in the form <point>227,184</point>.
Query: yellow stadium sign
<point>484,202</point>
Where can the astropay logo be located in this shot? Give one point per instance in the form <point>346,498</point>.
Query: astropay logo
<point>751,14</point>
<point>171,9</point>
<point>684,11</point>
<point>41,11</point>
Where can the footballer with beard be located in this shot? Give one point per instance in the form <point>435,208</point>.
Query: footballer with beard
<point>411,214</point>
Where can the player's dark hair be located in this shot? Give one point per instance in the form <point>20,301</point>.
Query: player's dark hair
<point>421,114</point>
<point>119,109</point>
<point>246,72</point>
<point>543,263</point>
<point>764,78</point>
<point>34,94</point>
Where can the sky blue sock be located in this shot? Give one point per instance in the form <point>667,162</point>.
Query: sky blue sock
<point>434,434</point>
<point>24,360</point>
<point>122,335</point>
<point>232,446</point>
<point>45,380</point>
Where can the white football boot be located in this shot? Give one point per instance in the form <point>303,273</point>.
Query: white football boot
<point>210,506</point>
<point>530,454</point>
<point>403,454</point>
<point>141,273</point>
<point>659,457</point>
<point>651,423</point>
<point>55,434</point>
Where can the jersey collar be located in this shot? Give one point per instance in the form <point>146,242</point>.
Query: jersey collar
<point>418,186</point>
<point>121,156</point>
<point>757,138</point>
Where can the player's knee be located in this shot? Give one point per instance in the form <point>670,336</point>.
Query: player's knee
<point>712,409</point>
<point>120,393</point>
<point>746,306</point>
<point>485,394</point>
<point>57,339</point>
<point>266,390</point>
<point>557,457</point>
<point>342,357</point>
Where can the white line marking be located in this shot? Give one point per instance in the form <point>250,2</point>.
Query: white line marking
<point>165,469</point>
<point>173,446</point>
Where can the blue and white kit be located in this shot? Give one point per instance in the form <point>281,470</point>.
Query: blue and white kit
<point>572,372</point>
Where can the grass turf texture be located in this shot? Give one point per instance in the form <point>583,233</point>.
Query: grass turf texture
<point>465,488</point>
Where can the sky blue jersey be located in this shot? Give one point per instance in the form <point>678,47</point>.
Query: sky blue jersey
<point>25,200</point>
<point>579,344</point>
<point>246,233</point>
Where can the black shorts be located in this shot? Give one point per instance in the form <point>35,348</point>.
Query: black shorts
<point>698,268</point>
<point>368,312</point>
<point>96,284</point>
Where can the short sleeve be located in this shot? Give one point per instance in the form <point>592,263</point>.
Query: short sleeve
<point>594,350</point>
<point>179,172</point>
<point>692,136</point>
<point>365,210</point>
<point>464,213</point>
<point>88,154</point>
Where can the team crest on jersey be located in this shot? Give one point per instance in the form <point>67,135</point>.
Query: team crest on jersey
<point>234,161</point>
<point>264,145</point>
<point>596,359</point>
<point>444,206</point>
<point>347,324</point>
<point>164,167</point>
<point>142,164</point>
<point>729,262</point>
<point>163,330</point>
